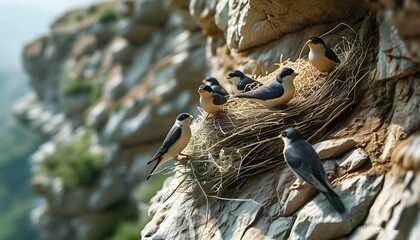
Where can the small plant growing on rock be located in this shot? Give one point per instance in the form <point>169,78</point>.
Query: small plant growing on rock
<point>108,16</point>
<point>73,163</point>
<point>78,86</point>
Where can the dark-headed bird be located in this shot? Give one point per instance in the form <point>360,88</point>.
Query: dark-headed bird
<point>215,85</point>
<point>306,164</point>
<point>210,101</point>
<point>176,140</point>
<point>275,93</point>
<point>241,82</point>
<point>321,56</point>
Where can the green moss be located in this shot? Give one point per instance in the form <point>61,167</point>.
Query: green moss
<point>92,9</point>
<point>148,190</point>
<point>73,163</point>
<point>78,86</point>
<point>108,16</point>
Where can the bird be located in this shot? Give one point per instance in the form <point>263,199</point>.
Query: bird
<point>306,164</point>
<point>241,82</point>
<point>321,56</point>
<point>175,141</point>
<point>210,101</point>
<point>275,93</point>
<point>215,85</point>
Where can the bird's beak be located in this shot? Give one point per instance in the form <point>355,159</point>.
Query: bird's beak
<point>200,90</point>
<point>308,42</point>
<point>295,74</point>
<point>191,116</point>
<point>228,77</point>
<point>279,136</point>
<point>204,81</point>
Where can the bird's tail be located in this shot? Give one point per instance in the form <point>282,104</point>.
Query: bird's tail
<point>335,200</point>
<point>156,167</point>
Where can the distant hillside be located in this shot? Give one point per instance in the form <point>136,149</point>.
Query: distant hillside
<point>17,143</point>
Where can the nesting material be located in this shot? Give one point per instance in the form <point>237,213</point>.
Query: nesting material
<point>241,141</point>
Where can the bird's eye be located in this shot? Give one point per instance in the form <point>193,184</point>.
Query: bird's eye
<point>284,134</point>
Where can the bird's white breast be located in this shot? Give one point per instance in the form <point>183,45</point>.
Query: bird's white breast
<point>320,61</point>
<point>208,105</point>
<point>181,143</point>
<point>289,91</point>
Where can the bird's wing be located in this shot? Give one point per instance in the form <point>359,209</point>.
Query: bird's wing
<point>329,53</point>
<point>248,84</point>
<point>218,99</point>
<point>271,90</point>
<point>219,90</point>
<point>173,135</point>
<point>306,163</point>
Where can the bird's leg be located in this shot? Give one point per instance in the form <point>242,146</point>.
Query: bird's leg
<point>298,184</point>
<point>181,158</point>
<point>208,114</point>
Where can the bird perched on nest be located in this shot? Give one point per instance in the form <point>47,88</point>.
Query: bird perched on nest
<point>241,82</point>
<point>210,101</point>
<point>306,164</point>
<point>215,85</point>
<point>176,140</point>
<point>321,56</point>
<point>275,93</point>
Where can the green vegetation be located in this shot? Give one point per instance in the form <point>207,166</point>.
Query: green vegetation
<point>92,9</point>
<point>82,86</point>
<point>108,16</point>
<point>73,163</point>
<point>79,18</point>
<point>78,86</point>
<point>130,230</point>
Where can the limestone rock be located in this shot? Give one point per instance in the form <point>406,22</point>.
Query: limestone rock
<point>136,33</point>
<point>314,221</point>
<point>334,148</point>
<point>97,115</point>
<point>353,160</point>
<point>122,51</point>
<point>203,13</point>
<point>151,12</point>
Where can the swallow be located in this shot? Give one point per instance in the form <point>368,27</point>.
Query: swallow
<point>321,56</point>
<point>210,101</point>
<point>242,83</point>
<point>176,140</point>
<point>215,85</point>
<point>306,164</point>
<point>275,93</point>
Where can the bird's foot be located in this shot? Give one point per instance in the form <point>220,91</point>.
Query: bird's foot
<point>182,158</point>
<point>297,185</point>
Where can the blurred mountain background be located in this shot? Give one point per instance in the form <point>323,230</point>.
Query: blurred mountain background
<point>20,22</point>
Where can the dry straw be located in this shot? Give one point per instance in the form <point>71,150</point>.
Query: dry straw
<point>241,141</point>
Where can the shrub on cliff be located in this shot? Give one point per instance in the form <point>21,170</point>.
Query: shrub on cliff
<point>108,17</point>
<point>73,163</point>
<point>81,86</point>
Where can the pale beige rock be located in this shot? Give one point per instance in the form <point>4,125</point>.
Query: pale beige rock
<point>315,220</point>
<point>334,148</point>
<point>353,160</point>
<point>97,115</point>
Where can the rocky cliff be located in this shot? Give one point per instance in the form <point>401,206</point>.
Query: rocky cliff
<point>109,80</point>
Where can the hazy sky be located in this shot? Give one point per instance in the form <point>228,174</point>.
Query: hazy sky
<point>21,21</point>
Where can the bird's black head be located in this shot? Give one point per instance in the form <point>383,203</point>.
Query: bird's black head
<point>204,87</point>
<point>211,81</point>
<point>316,40</point>
<point>183,116</point>
<point>284,73</point>
<point>236,73</point>
<point>292,134</point>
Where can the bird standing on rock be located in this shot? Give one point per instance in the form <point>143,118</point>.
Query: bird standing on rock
<point>321,56</point>
<point>210,101</point>
<point>275,93</point>
<point>176,140</point>
<point>306,164</point>
<point>215,85</point>
<point>242,83</point>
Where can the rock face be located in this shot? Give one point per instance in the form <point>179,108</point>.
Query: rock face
<point>126,74</point>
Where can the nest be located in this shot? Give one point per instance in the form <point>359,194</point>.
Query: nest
<point>241,141</point>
